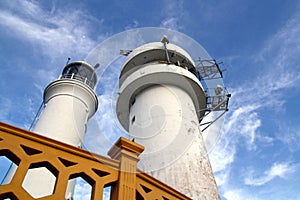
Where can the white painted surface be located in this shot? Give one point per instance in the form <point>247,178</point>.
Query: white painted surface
<point>153,52</point>
<point>191,174</point>
<point>159,105</point>
<point>165,123</point>
<point>149,47</point>
<point>69,104</point>
<point>162,74</point>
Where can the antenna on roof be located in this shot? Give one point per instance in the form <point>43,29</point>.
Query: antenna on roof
<point>68,61</point>
<point>96,66</point>
<point>166,41</point>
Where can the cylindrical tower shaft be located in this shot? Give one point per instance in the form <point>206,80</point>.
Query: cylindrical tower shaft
<point>68,106</point>
<point>159,104</point>
<point>69,102</point>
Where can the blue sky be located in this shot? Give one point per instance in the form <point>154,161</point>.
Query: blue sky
<point>257,154</point>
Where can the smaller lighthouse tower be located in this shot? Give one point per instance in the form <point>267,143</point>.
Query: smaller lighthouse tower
<point>68,104</point>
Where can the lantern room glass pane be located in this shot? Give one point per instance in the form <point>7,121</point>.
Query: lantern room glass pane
<point>80,71</point>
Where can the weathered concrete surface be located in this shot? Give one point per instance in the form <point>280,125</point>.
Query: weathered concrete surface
<point>191,174</point>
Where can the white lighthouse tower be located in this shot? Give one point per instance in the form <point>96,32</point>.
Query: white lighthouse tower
<point>161,103</point>
<point>68,104</point>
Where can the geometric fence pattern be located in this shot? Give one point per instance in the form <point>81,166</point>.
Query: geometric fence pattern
<point>30,151</point>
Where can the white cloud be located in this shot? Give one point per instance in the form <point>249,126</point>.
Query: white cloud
<point>249,127</point>
<point>277,170</point>
<point>221,158</point>
<point>171,23</point>
<point>265,139</point>
<point>248,100</point>
<point>103,128</point>
<point>223,154</point>
<point>241,124</point>
<point>82,189</point>
<point>266,92</point>
<point>222,177</point>
<point>238,194</point>
<point>285,44</point>
<point>239,120</point>
<point>175,12</point>
<point>66,32</point>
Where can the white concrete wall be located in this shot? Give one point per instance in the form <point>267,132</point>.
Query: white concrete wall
<point>68,106</point>
<point>191,174</point>
<point>165,122</point>
<point>160,106</point>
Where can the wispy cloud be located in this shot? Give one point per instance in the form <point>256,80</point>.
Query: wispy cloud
<point>238,194</point>
<point>221,159</point>
<point>277,170</point>
<point>240,124</point>
<point>250,100</point>
<point>175,12</point>
<point>285,44</point>
<point>82,189</point>
<point>171,23</point>
<point>51,33</point>
<point>66,32</point>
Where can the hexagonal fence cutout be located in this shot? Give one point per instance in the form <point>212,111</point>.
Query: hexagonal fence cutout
<point>40,179</point>
<point>79,187</point>
<point>8,164</point>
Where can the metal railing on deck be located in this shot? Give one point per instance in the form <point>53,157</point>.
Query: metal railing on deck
<point>78,77</point>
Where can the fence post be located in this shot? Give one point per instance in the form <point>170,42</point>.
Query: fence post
<point>127,153</point>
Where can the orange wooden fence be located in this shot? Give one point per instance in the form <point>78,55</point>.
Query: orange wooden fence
<point>30,151</point>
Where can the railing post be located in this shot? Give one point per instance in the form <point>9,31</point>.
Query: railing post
<point>127,153</point>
